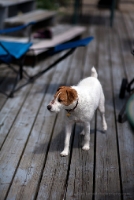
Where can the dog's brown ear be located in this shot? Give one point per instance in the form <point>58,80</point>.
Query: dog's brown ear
<point>71,95</point>
<point>61,87</point>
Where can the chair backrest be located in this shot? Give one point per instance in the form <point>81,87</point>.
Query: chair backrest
<point>14,29</point>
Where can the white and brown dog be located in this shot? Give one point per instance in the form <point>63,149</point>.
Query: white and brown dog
<point>80,102</point>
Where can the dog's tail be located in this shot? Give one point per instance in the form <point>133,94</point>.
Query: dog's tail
<point>94,73</point>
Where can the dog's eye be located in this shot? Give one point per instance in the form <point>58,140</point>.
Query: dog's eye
<point>59,100</point>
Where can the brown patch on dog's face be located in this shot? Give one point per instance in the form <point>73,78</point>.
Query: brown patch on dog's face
<point>66,95</point>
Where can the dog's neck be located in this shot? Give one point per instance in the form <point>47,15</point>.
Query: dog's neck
<point>71,110</point>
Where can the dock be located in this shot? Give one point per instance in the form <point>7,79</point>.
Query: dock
<point>31,138</point>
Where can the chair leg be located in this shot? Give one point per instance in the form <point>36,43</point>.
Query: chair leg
<point>76,11</point>
<point>14,86</point>
<point>122,115</point>
<point>112,12</point>
<point>21,71</point>
<point>123,88</point>
<point>21,64</point>
<point>1,91</point>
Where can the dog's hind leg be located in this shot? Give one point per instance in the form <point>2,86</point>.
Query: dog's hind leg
<point>101,108</point>
<point>86,144</point>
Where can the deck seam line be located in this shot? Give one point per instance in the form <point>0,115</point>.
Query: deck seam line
<point>115,119</point>
<point>44,164</point>
<point>69,163</point>
<point>3,81</point>
<point>116,125</point>
<point>95,136</point>
<point>72,142</point>
<point>114,106</point>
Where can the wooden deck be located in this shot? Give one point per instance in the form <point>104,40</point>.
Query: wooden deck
<point>31,138</point>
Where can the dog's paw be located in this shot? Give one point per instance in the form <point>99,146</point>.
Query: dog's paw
<point>64,153</point>
<point>105,127</point>
<point>85,147</point>
<point>82,133</point>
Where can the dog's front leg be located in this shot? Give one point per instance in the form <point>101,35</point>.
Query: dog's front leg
<point>86,144</point>
<point>68,131</point>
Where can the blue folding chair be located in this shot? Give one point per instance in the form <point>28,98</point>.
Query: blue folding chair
<point>11,52</point>
<point>16,51</point>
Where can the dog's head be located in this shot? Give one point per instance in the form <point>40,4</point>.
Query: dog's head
<point>65,97</point>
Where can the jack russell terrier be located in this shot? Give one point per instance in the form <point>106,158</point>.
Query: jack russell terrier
<point>80,103</point>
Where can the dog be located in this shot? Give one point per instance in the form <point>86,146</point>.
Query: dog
<point>80,103</point>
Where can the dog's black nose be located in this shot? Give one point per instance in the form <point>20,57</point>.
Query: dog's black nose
<point>49,107</point>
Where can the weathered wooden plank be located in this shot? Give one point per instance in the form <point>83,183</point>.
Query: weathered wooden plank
<point>107,181</point>
<point>35,154</point>
<point>12,2</point>
<point>54,178</point>
<point>91,57</point>
<point>125,134</point>
<point>129,28</point>
<point>125,47</point>
<point>132,20</point>
<point>2,101</point>
<point>57,29</point>
<point>35,15</point>
<point>3,72</point>
<point>6,86</point>
<point>80,180</point>
<point>18,136</point>
<point>56,168</point>
<point>131,15</point>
